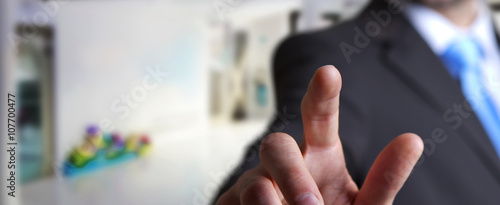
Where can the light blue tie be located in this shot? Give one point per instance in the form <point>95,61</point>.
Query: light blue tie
<point>462,59</point>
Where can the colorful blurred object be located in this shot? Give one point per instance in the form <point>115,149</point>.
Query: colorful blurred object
<point>145,145</point>
<point>115,146</point>
<point>132,143</point>
<point>82,155</point>
<point>103,150</point>
<point>94,136</point>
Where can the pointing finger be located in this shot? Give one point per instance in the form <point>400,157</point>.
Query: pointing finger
<point>320,108</point>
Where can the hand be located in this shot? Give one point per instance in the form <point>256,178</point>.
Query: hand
<point>316,173</point>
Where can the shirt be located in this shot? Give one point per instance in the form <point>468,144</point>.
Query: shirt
<point>439,32</point>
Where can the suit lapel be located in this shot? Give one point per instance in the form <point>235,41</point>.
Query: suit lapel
<point>409,57</point>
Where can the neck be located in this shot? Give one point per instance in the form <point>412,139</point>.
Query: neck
<point>462,14</point>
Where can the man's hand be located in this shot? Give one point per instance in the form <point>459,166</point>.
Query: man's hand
<point>316,173</point>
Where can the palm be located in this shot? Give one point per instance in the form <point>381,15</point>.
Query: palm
<point>316,173</point>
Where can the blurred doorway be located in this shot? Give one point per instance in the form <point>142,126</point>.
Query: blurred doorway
<point>34,71</point>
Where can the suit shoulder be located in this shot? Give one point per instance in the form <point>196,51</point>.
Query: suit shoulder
<point>324,38</point>
<point>314,45</point>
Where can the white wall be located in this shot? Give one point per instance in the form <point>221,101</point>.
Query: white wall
<point>106,50</point>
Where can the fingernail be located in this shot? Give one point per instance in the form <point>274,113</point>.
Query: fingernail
<point>307,199</point>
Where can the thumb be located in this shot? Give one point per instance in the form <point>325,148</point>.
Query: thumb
<point>390,170</point>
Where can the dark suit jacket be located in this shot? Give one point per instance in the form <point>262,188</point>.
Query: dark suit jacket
<point>393,84</point>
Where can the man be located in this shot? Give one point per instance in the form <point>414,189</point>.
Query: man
<point>428,68</point>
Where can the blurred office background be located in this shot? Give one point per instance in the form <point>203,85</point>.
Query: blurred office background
<point>195,75</point>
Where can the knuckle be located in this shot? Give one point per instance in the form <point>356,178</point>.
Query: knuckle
<point>273,140</point>
<point>256,186</point>
<point>245,178</point>
<point>224,199</point>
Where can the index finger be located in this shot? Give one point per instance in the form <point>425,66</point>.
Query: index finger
<point>320,108</point>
